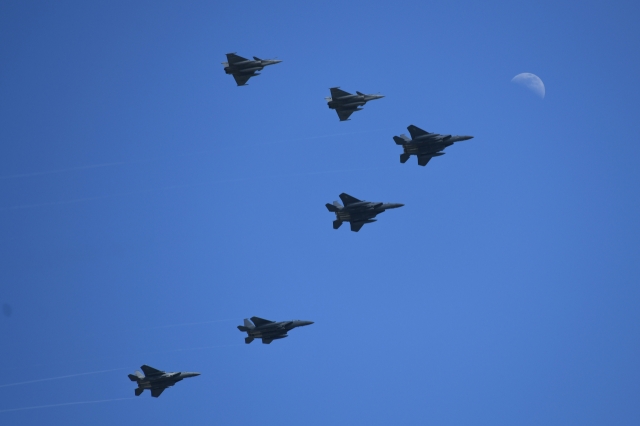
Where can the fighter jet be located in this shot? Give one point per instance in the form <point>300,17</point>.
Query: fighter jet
<point>346,104</point>
<point>425,145</point>
<point>357,212</point>
<point>267,330</point>
<point>243,69</point>
<point>156,380</point>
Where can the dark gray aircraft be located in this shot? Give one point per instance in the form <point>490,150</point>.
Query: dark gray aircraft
<point>425,145</point>
<point>156,380</point>
<point>346,104</point>
<point>267,330</point>
<point>243,69</point>
<point>357,212</point>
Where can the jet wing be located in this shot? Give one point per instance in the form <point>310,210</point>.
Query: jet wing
<point>156,392</point>
<point>337,93</point>
<point>348,199</point>
<point>241,79</point>
<point>416,131</point>
<point>344,114</point>
<point>355,226</point>
<point>150,371</point>
<point>424,159</point>
<point>233,58</point>
<point>260,321</point>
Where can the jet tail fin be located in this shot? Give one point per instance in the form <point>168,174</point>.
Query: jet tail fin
<point>136,376</point>
<point>401,140</point>
<point>332,208</point>
<point>139,391</point>
<point>249,324</point>
<point>337,223</point>
<point>243,328</point>
<point>248,340</point>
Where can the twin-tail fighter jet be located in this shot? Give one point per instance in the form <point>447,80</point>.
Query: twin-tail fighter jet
<point>357,212</point>
<point>243,69</point>
<point>268,331</point>
<point>425,145</point>
<point>346,104</point>
<point>155,380</point>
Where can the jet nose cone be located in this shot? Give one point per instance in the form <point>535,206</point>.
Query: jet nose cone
<point>465,138</point>
<point>303,323</point>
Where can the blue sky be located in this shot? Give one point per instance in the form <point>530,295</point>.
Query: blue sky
<point>149,205</point>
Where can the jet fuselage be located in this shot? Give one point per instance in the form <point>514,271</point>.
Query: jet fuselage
<point>276,330</point>
<point>164,380</point>
<point>432,143</point>
<point>364,209</point>
<point>243,69</point>
<point>259,328</point>
<point>157,380</point>
<point>351,101</point>
<point>425,145</point>
<point>357,212</point>
<point>248,67</point>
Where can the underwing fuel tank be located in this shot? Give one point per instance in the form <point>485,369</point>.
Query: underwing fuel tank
<point>352,104</point>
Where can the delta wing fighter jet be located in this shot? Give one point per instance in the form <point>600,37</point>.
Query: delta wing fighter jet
<point>155,380</point>
<point>425,145</point>
<point>267,330</point>
<point>346,104</point>
<point>357,212</point>
<point>243,69</point>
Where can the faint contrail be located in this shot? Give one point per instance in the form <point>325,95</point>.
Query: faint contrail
<point>123,194</point>
<point>184,324</point>
<point>70,169</point>
<point>61,377</point>
<point>191,349</point>
<point>66,403</point>
<point>122,163</point>
<point>317,137</point>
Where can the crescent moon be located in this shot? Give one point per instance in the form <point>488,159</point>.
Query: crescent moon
<point>530,81</point>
